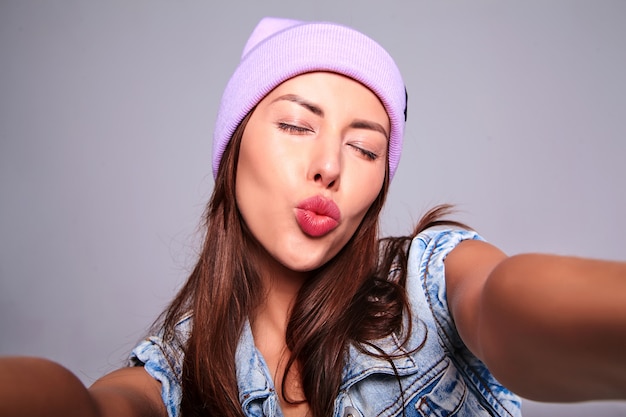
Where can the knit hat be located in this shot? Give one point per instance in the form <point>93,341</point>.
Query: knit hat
<point>280,49</point>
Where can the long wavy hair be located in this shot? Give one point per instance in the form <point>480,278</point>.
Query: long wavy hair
<point>223,291</point>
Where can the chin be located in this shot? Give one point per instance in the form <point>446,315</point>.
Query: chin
<point>305,264</point>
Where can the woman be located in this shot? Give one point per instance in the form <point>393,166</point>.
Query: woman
<point>295,308</point>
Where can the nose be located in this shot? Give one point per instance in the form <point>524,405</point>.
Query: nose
<point>325,166</point>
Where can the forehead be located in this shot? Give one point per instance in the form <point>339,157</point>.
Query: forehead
<point>327,87</point>
<point>320,78</point>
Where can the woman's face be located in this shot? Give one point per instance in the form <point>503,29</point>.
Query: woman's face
<point>312,160</point>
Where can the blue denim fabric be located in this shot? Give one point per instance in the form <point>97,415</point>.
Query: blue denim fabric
<point>442,378</point>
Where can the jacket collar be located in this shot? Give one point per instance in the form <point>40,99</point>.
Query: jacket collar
<point>369,360</point>
<point>255,382</point>
<point>253,378</point>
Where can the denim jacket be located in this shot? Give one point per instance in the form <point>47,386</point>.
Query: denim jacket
<point>441,378</point>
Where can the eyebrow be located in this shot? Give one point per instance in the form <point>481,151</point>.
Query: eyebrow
<point>315,109</point>
<point>301,101</point>
<point>366,124</point>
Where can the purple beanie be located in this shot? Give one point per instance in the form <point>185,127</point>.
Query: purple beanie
<point>280,49</point>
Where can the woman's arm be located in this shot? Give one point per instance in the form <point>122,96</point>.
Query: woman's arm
<point>32,387</point>
<point>551,328</point>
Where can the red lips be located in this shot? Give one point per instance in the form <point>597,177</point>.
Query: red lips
<point>317,216</point>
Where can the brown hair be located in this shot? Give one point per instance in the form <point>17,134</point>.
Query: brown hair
<point>223,290</point>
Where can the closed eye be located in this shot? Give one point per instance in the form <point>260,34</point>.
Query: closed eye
<point>368,154</point>
<point>289,128</point>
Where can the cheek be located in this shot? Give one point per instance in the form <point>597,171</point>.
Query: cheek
<point>244,179</point>
<point>265,177</point>
<point>253,166</point>
<point>368,186</point>
<point>263,156</point>
<point>248,184</point>
<point>370,182</point>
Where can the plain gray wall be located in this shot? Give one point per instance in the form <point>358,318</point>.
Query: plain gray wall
<point>517,113</point>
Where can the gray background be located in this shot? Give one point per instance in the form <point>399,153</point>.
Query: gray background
<point>517,113</point>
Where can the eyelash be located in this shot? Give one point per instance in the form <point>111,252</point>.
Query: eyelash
<point>286,127</point>
<point>368,154</point>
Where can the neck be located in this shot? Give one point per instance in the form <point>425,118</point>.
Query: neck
<point>280,287</point>
<point>269,325</point>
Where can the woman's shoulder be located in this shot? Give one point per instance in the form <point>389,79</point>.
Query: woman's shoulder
<point>161,355</point>
<point>163,348</point>
<point>440,240</point>
<point>426,280</point>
